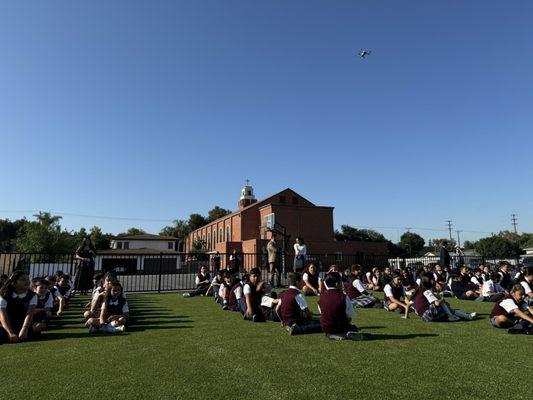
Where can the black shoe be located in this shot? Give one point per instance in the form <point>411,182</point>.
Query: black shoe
<point>356,336</point>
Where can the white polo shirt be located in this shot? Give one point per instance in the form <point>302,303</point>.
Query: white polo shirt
<point>360,286</point>
<point>488,287</point>
<point>3,302</point>
<point>526,286</point>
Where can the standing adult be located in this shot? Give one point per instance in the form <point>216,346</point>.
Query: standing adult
<point>444,256</point>
<point>459,257</point>
<point>216,261</point>
<point>300,254</point>
<point>84,254</point>
<point>234,263</point>
<point>273,267</point>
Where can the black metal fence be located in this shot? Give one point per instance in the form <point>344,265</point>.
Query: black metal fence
<point>164,271</point>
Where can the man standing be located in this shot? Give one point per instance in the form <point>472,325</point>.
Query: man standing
<point>272,249</point>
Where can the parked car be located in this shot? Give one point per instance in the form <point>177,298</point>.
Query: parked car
<point>527,261</point>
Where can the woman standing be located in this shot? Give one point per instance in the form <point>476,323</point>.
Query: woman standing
<point>300,254</point>
<point>85,271</point>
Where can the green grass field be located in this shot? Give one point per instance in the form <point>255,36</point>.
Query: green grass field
<point>191,349</point>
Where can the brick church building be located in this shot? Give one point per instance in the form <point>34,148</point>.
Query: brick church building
<point>248,229</point>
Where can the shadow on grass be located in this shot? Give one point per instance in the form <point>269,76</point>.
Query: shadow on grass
<point>400,337</point>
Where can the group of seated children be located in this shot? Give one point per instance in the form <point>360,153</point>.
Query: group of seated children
<point>255,301</point>
<point>108,309</point>
<point>26,308</point>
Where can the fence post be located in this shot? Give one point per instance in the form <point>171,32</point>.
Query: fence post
<point>160,270</point>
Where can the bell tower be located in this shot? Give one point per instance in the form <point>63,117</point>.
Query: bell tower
<point>247,195</point>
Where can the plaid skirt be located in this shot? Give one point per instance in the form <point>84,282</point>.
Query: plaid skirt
<point>363,301</point>
<point>433,313</point>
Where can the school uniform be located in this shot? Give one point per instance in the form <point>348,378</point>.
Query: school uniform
<point>505,280</point>
<point>528,288</point>
<point>398,292</point>
<point>506,308</point>
<point>47,302</point>
<point>459,290</point>
<point>116,307</point>
<point>16,307</point>
<point>477,281</point>
<point>255,297</point>
<point>312,279</point>
<point>236,299</point>
<point>490,287</point>
<point>336,311</point>
<point>201,288</point>
<point>268,308</point>
<point>64,292</point>
<point>293,305</point>
<point>356,291</point>
<point>425,307</point>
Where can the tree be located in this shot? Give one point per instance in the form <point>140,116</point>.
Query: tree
<point>449,244</point>
<point>468,245</point>
<point>8,233</point>
<point>411,243</point>
<point>351,234</point>
<point>100,240</point>
<point>180,229</point>
<point>132,232</point>
<point>45,236</point>
<point>196,221</point>
<point>216,213</point>
<point>497,247</point>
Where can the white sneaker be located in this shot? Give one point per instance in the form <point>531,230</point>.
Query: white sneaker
<point>471,316</point>
<point>120,328</point>
<point>186,295</point>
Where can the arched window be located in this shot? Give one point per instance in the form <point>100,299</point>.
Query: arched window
<point>220,235</point>
<point>228,234</point>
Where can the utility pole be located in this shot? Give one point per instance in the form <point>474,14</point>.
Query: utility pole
<point>458,238</point>
<point>514,222</point>
<point>450,228</point>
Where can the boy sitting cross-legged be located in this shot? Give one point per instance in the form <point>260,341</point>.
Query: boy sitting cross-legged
<point>336,311</point>
<point>293,310</point>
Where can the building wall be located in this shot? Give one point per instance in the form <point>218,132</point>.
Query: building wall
<point>144,244</point>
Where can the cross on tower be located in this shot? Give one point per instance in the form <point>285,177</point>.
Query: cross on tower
<point>247,182</point>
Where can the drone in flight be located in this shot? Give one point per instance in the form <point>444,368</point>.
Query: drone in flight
<point>364,53</point>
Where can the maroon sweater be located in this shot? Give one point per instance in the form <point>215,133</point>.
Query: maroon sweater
<point>289,310</point>
<point>333,317</point>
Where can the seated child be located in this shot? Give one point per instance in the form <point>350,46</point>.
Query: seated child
<point>63,293</point>
<point>506,281</point>
<point>269,302</point>
<point>395,298</point>
<point>432,309</point>
<point>357,293</point>
<point>386,278</point>
<point>527,284</point>
<point>510,312</point>
<point>492,290</point>
<point>45,303</point>
<point>461,291</point>
<point>408,281</point>
<point>236,299</point>
<point>224,289</point>
<point>377,283</point>
<point>293,310</point>
<point>98,292</point>
<point>312,282</point>
<point>253,292</point>
<point>98,287</point>
<point>17,304</point>
<point>214,287</point>
<point>336,311</point>
<point>476,281</point>
<point>203,281</point>
<point>114,312</point>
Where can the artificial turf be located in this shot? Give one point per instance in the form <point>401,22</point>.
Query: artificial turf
<point>180,348</point>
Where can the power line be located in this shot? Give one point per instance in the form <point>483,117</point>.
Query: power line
<point>90,216</point>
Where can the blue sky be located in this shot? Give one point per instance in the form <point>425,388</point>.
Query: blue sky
<point>159,109</point>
